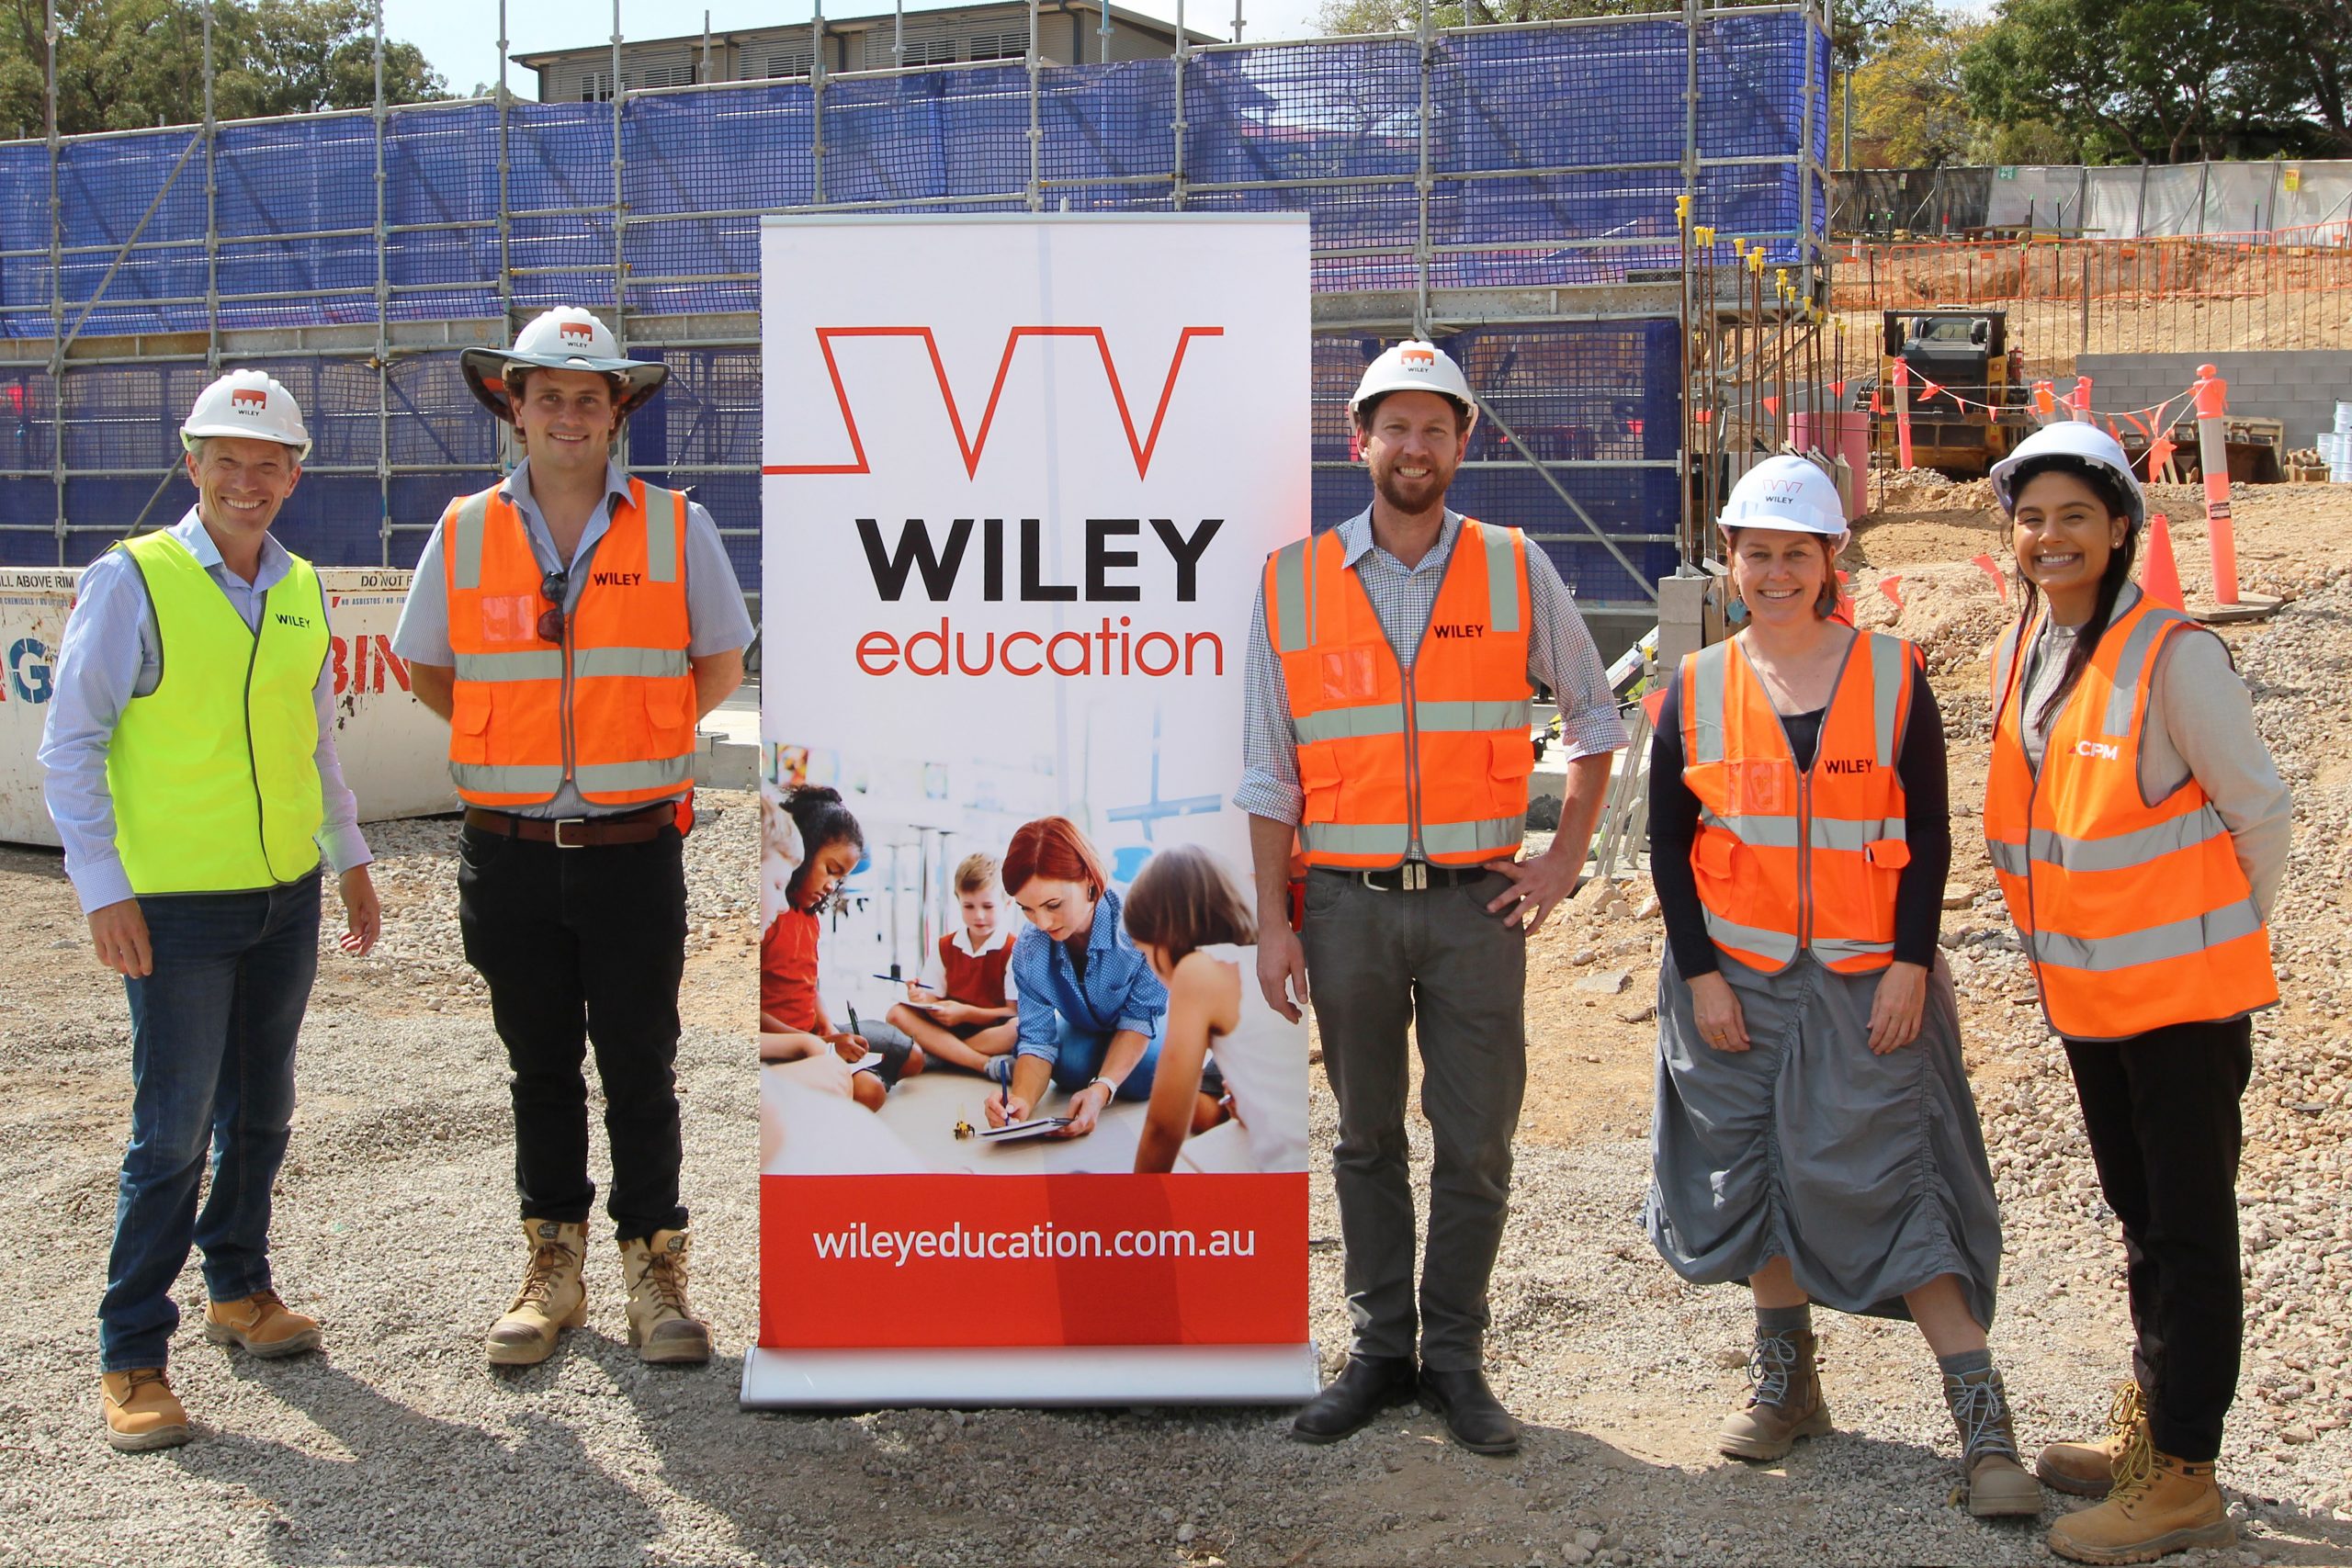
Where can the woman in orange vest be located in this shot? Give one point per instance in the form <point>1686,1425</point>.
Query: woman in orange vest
<point>1814,1133</point>
<point>2139,831</point>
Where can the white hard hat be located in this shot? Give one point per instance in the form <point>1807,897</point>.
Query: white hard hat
<point>566,338</point>
<point>1414,367</point>
<point>1785,491</point>
<point>2082,442</point>
<point>251,404</point>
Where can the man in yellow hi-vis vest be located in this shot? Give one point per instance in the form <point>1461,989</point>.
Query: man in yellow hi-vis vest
<point>193,779</point>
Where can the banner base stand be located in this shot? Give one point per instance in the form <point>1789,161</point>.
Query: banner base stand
<point>781,1378</point>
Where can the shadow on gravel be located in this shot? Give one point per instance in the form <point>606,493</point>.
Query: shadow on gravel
<point>416,1489</point>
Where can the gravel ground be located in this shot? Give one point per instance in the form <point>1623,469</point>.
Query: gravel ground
<point>394,1224</point>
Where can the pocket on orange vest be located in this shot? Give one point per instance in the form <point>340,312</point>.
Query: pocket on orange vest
<point>1319,775</point>
<point>671,720</point>
<point>469,722</point>
<point>1352,673</point>
<point>1511,760</point>
<point>1715,854</point>
<point>1887,854</point>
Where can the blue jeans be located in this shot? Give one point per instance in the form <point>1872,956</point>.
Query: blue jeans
<point>1078,1060</point>
<point>212,1034</point>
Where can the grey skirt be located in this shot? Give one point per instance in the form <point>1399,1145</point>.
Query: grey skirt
<point>1866,1173</point>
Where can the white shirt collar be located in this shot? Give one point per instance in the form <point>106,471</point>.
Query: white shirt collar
<point>1000,937</point>
<point>276,559</point>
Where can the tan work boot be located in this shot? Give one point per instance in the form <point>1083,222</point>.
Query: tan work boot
<point>1786,1403</point>
<point>140,1410</point>
<point>2160,1504</point>
<point>661,1325</point>
<point>552,1300</point>
<point>1998,1485</point>
<point>262,1326</point>
<point>2088,1469</point>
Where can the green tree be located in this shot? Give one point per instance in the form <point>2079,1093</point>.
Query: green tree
<point>1908,97</point>
<point>123,64</point>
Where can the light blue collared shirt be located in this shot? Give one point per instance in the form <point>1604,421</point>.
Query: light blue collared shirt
<point>717,620</point>
<point>111,654</point>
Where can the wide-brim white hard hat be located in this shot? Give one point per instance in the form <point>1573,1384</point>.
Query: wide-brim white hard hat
<point>1414,365</point>
<point>1786,492</point>
<point>250,405</point>
<point>566,338</point>
<point>2083,442</point>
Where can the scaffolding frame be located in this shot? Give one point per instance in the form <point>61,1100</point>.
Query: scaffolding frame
<point>1423,302</point>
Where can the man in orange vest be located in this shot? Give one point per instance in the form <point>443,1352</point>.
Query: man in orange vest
<point>1391,678</point>
<point>573,624</point>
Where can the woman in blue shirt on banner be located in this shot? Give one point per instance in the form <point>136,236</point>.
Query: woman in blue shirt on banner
<point>1091,1010</point>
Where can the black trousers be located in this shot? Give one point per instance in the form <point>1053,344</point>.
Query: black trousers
<point>580,946</point>
<point>2161,1111</point>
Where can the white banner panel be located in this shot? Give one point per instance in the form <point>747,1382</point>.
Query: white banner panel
<point>1022,474</point>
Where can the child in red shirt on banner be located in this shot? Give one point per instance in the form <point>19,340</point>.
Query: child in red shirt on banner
<point>792,1016</point>
<point>961,1012</point>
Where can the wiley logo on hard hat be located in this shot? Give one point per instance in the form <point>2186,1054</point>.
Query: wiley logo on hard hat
<point>576,331</point>
<point>250,401</point>
<point>1417,358</point>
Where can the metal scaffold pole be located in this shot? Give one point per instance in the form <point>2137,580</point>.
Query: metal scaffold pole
<point>1036,189</point>
<point>56,283</point>
<point>620,221</point>
<point>1183,56</point>
<point>1421,178</point>
<point>211,213</point>
<point>1685,544</point>
<point>505,226</point>
<point>816,106</point>
<point>383,324</point>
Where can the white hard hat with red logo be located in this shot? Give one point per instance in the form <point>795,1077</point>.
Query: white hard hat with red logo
<point>1414,367</point>
<point>249,404</point>
<point>566,338</point>
<point>1787,493</point>
<point>2077,442</point>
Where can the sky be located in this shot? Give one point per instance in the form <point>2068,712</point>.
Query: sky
<point>459,38</point>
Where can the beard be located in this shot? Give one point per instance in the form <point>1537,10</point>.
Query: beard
<point>1411,497</point>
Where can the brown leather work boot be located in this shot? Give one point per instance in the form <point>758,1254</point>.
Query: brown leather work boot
<point>1786,1403</point>
<point>1998,1485</point>
<point>552,1299</point>
<point>140,1410</point>
<point>2160,1504</point>
<point>262,1326</point>
<point>661,1325</point>
<point>2088,1469</point>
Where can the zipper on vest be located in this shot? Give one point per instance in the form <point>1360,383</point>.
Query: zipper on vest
<point>564,704</point>
<point>2033,799</point>
<point>1412,773</point>
<point>252,762</point>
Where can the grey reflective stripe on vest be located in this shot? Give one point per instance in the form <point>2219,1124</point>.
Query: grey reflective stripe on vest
<point>465,542</point>
<point>2008,855</point>
<point>1344,724</point>
<point>1292,634</point>
<point>664,511</point>
<point>1889,675</point>
<point>1831,951</point>
<point>1493,834</point>
<point>2117,852</point>
<point>615,778</point>
<point>535,781</point>
<point>1388,839</point>
<point>1455,718</point>
<point>1710,668</point>
<point>650,663</point>
<point>2004,654</point>
<point>541,664</point>
<point>2131,668</point>
<point>1779,946</point>
<point>1502,580</point>
<point>2151,944</point>
<point>1774,831</point>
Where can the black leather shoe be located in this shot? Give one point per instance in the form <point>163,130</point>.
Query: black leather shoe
<point>1365,1386</point>
<point>1470,1410</point>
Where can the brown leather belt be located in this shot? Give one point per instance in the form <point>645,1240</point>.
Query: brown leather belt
<point>578,832</point>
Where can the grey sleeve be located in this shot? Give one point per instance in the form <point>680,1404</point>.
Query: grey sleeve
<point>423,636</point>
<point>2201,725</point>
<point>1270,784</point>
<point>717,620</point>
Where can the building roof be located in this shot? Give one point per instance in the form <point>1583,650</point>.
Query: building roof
<point>1135,20</point>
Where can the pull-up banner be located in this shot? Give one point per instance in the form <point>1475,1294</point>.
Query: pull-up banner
<point>1022,475</point>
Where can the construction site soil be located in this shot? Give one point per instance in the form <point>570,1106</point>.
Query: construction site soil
<point>394,1224</point>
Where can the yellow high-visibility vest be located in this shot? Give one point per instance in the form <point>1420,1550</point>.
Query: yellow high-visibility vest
<point>214,773</point>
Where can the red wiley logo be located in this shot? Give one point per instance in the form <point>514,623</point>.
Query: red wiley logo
<point>1458,629</point>
<point>249,399</point>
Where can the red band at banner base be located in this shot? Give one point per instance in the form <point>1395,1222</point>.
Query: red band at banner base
<point>875,1261</point>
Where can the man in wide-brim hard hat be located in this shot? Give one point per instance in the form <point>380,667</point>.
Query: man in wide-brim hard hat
<point>574,624</point>
<point>192,775</point>
<point>1392,669</point>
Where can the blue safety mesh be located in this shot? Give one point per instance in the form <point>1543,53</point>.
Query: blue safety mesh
<point>1553,159</point>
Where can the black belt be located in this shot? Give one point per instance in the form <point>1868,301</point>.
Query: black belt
<point>1413,876</point>
<point>579,832</point>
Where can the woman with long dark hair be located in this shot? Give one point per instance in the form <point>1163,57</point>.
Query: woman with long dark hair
<point>2139,831</point>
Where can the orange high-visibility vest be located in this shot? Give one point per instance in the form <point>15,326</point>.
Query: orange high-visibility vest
<point>2133,916</point>
<point>1791,860</point>
<point>613,705</point>
<point>1441,750</point>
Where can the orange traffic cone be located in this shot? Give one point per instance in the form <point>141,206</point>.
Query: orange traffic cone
<point>2160,579</point>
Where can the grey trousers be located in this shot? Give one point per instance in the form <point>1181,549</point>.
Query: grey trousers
<point>1435,961</point>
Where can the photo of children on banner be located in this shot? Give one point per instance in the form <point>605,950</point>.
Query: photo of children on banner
<point>1101,1050</point>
